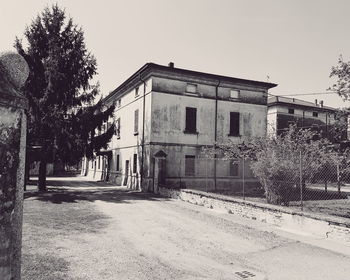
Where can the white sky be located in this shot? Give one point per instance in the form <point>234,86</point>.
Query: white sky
<point>294,42</point>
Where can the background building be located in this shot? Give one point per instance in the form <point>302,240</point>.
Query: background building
<point>172,114</point>
<point>283,112</point>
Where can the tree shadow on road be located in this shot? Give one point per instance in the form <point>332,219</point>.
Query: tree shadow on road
<point>62,192</point>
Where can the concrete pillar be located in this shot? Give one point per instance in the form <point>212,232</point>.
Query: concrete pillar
<point>13,73</point>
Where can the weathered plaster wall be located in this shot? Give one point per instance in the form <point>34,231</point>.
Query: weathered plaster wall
<point>128,142</point>
<point>207,88</point>
<point>169,119</point>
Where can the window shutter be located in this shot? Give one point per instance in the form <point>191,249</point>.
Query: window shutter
<point>191,119</point>
<point>135,164</point>
<point>189,165</point>
<point>136,123</point>
<point>234,123</point>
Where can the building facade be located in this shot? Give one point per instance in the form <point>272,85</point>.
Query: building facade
<point>165,116</point>
<point>283,112</point>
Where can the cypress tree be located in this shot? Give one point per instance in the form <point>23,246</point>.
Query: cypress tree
<point>63,114</point>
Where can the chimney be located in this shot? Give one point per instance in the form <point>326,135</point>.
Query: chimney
<point>171,64</point>
<point>321,103</point>
<point>316,102</point>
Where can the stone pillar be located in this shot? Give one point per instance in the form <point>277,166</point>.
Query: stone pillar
<point>13,73</point>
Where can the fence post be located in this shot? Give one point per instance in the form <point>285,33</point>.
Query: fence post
<point>338,177</point>
<point>301,182</point>
<point>243,179</point>
<point>179,170</point>
<point>206,174</point>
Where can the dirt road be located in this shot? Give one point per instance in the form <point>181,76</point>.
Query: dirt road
<point>103,232</point>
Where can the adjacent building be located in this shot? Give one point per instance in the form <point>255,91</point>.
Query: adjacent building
<point>284,111</point>
<point>165,116</point>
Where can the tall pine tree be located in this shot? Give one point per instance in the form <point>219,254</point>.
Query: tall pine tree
<point>62,116</point>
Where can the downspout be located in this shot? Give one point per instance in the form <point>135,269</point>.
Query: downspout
<point>216,129</point>
<point>143,130</point>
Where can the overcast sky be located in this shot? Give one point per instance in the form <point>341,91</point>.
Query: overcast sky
<point>295,43</point>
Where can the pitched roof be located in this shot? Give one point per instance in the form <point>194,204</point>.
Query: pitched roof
<point>294,101</point>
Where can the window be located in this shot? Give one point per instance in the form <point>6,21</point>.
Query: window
<point>234,94</point>
<point>315,114</point>
<point>136,122</point>
<point>119,103</point>
<point>191,120</point>
<point>233,168</point>
<point>291,123</point>
<point>99,162</point>
<point>189,165</point>
<point>290,111</point>
<point>136,91</point>
<point>117,128</point>
<point>191,88</point>
<point>117,163</point>
<point>135,164</point>
<point>234,124</point>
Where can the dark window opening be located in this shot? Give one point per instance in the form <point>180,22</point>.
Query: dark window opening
<point>191,120</point>
<point>189,165</point>
<point>234,124</point>
<point>290,111</point>
<point>315,114</point>
<point>135,164</point>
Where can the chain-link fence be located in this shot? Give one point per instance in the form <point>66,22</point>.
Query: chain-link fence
<point>231,177</point>
<point>298,183</point>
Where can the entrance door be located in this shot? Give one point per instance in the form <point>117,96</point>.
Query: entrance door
<point>126,174</point>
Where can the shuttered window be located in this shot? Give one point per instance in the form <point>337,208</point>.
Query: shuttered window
<point>117,163</point>
<point>117,128</point>
<point>189,165</point>
<point>191,120</point>
<point>234,124</point>
<point>136,122</point>
<point>135,164</point>
<point>233,168</point>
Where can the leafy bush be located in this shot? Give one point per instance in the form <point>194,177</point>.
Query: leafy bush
<point>283,163</point>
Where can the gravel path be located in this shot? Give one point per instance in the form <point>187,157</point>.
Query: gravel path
<point>138,236</point>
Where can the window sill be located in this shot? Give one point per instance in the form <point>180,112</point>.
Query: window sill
<point>190,132</point>
<point>191,93</point>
